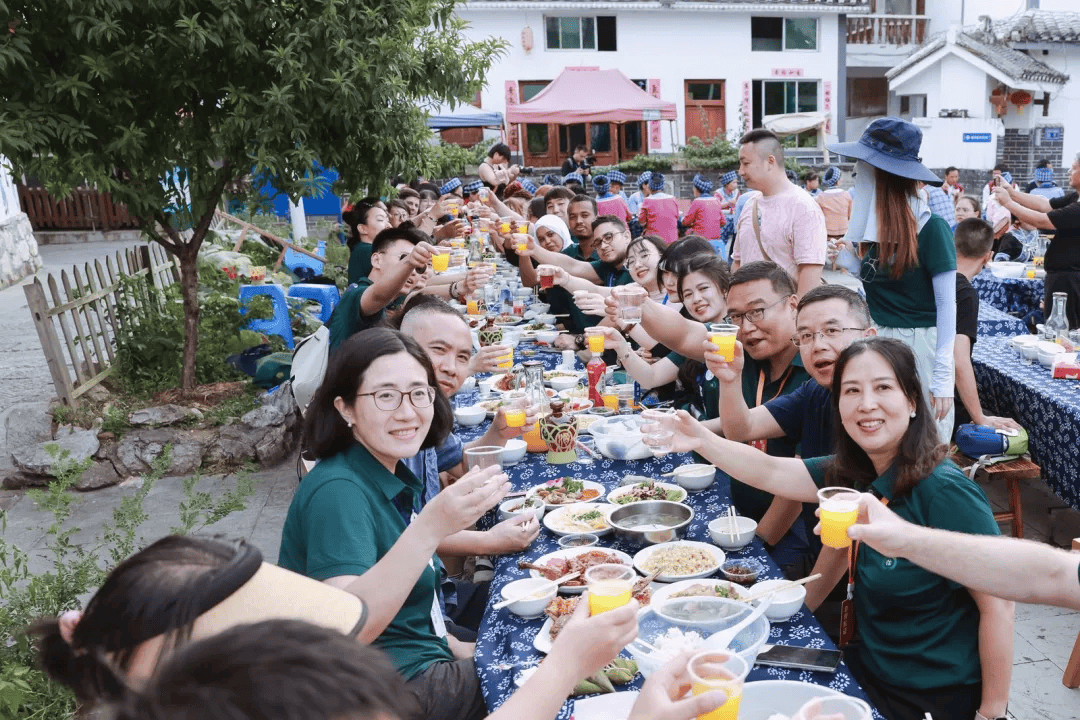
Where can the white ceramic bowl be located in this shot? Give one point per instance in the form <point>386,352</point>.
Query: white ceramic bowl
<point>533,607</point>
<point>546,318</point>
<point>785,603</point>
<point>470,415</point>
<point>523,292</point>
<point>564,383</point>
<point>513,451</point>
<point>1006,269</point>
<point>745,527</point>
<point>1048,351</point>
<point>516,506</point>
<point>547,336</point>
<point>620,438</point>
<point>1030,350</point>
<point>1022,341</point>
<point>698,478</point>
<point>540,308</point>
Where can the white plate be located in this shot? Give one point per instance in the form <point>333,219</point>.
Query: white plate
<point>612,706</point>
<point>764,698</point>
<point>542,642</point>
<point>552,518</point>
<point>664,592</point>
<point>645,553</point>
<point>574,552</point>
<point>620,491</point>
<point>589,485</point>
<point>549,375</point>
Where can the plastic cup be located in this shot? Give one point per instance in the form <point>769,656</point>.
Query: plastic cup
<point>630,298</point>
<point>440,262</point>
<point>610,586</point>
<point>660,442</point>
<point>594,339</point>
<point>611,400</point>
<point>583,456</point>
<point>515,417</point>
<point>481,457</point>
<point>716,670</point>
<point>839,510</point>
<point>506,361</point>
<point>504,226</point>
<point>472,306</point>
<point>722,336</point>
<point>547,277</point>
<point>844,706</point>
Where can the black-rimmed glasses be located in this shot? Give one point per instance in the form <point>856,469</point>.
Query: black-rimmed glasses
<point>754,316</point>
<point>831,333</point>
<point>390,399</point>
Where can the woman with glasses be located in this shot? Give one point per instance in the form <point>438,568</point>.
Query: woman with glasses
<point>907,259</point>
<point>356,521</point>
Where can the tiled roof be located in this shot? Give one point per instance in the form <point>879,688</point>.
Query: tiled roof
<point>1039,26</point>
<point>1015,64</point>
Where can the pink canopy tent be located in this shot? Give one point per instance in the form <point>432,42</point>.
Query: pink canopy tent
<point>581,95</point>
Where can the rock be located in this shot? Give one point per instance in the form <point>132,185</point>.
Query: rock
<point>18,480</point>
<point>234,445</point>
<point>265,416</point>
<point>66,431</point>
<point>98,475</point>
<point>161,415</point>
<point>273,447</point>
<point>38,460</point>
<point>97,394</point>
<point>106,436</point>
<point>28,424</point>
<point>139,448</point>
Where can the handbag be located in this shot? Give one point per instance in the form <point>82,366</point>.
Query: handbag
<point>309,366</point>
<point>979,440</point>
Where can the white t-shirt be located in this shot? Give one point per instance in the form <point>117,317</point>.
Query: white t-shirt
<point>792,230</point>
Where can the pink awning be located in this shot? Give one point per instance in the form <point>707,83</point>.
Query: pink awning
<point>580,95</point>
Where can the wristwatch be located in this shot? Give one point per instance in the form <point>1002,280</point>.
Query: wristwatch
<point>579,341</point>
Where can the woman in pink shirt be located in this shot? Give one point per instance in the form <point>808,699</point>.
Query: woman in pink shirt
<point>608,203</point>
<point>660,211</point>
<point>704,218</point>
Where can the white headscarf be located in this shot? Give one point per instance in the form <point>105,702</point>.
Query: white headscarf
<point>554,222</point>
<point>863,225</point>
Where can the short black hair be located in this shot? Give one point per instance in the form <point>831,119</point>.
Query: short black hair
<point>973,237</point>
<point>583,198</point>
<point>710,265</point>
<point>770,143</point>
<point>678,252</point>
<point>538,206</point>
<point>812,175</point>
<point>613,219</point>
<point>426,194</point>
<point>274,669</point>
<point>765,270</point>
<point>325,431</point>
<point>581,147</point>
<point>429,186</point>
<point>1001,167</point>
<point>821,293</point>
<point>500,148</point>
<point>397,203</point>
<point>422,304</point>
<point>391,235</point>
<point>1045,162</point>
<point>950,169</point>
<point>559,192</point>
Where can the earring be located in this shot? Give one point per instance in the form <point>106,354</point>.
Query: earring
<point>348,423</point>
<point>912,413</point>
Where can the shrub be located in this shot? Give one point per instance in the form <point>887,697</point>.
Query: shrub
<point>653,162</point>
<point>720,154</point>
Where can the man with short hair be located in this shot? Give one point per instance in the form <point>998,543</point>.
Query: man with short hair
<point>577,162</point>
<point>940,204</point>
<point>581,214</point>
<point>1000,170</point>
<point>782,223</point>
<point>952,186</point>
<point>557,202</point>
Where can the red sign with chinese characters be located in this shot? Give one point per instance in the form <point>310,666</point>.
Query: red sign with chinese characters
<point>746,106</point>
<point>787,72</point>
<point>655,139</point>
<point>511,94</point>
<point>827,100</point>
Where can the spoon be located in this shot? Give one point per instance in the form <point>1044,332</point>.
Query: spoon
<point>722,639</point>
<point>544,588</point>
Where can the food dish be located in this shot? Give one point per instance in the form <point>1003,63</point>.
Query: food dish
<point>579,518</point>
<point>531,604</point>
<point>566,491</point>
<point>698,588</point>
<point>491,406</point>
<point>679,560</point>
<point>647,490</point>
<point>559,563</point>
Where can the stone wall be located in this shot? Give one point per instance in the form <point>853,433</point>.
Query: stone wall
<point>18,250</point>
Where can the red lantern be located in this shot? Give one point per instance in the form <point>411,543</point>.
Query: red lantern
<point>1020,98</point>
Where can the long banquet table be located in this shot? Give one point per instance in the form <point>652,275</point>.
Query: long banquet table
<point>994,322</point>
<point>505,644</point>
<point>1018,296</point>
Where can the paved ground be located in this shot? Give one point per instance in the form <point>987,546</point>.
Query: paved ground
<point>1044,636</point>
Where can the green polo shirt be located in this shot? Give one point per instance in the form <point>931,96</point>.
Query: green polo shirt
<point>610,276</point>
<point>908,301</point>
<point>342,521</point>
<point>574,250</point>
<point>707,392</point>
<point>348,318</point>
<point>751,501</point>
<point>359,262</point>
<point>919,630</point>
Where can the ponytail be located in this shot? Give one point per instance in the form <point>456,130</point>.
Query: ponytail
<point>87,673</point>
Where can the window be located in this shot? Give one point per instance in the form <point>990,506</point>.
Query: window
<point>536,138</point>
<point>581,33</point>
<point>912,106</point>
<point>600,138</point>
<point>867,97</point>
<point>632,136</point>
<point>530,88</point>
<point>777,97</point>
<point>773,34</point>
<point>704,90</point>
<point>605,33</point>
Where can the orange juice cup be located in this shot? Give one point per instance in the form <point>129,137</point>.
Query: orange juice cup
<point>610,586</point>
<point>718,671</point>
<point>505,363</point>
<point>440,262</point>
<point>611,400</point>
<point>504,226</point>
<point>722,336</point>
<point>839,510</point>
<point>473,306</point>
<point>594,339</point>
<point>515,417</point>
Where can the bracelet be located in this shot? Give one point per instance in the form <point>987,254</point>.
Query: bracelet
<point>451,289</point>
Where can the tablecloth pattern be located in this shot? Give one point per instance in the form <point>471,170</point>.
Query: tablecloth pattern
<point>505,643</point>
<point>996,323</point>
<point>1049,409</point>
<point>1018,296</point>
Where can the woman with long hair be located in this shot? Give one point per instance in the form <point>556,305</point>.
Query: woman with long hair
<point>922,643</point>
<point>365,219</point>
<point>907,257</point>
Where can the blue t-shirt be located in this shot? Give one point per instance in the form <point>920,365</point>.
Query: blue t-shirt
<point>806,417</point>
<point>427,464</point>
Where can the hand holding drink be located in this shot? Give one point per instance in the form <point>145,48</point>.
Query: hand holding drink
<point>594,340</point>
<point>610,586</point>
<point>839,510</point>
<point>440,261</point>
<point>718,670</point>
<point>722,336</point>
<point>547,275</point>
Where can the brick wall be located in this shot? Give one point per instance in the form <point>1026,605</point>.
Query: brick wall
<point>1021,148</point>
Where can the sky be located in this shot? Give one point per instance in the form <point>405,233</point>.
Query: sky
<point>1004,8</point>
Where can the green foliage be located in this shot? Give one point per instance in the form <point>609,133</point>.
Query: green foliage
<point>448,160</point>
<point>261,253</point>
<point>232,408</point>
<point>653,162</point>
<point>721,154</point>
<point>336,266</point>
<point>199,509</point>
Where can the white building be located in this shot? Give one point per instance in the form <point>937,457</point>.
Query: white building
<point>725,64</point>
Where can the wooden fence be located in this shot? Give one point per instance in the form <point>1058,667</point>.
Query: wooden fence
<point>88,312</point>
<point>84,209</point>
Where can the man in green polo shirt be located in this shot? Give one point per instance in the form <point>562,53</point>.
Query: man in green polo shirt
<point>399,256</point>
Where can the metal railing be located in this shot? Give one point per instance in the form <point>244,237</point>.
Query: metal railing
<point>887,29</point>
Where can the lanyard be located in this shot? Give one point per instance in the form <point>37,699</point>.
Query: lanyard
<point>847,607</point>
<point>763,445</point>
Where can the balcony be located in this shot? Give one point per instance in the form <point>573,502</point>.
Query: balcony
<point>894,30</point>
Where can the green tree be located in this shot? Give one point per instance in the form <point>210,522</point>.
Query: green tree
<point>166,103</point>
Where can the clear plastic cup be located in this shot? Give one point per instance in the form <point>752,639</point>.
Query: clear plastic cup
<point>610,586</point>
<point>481,457</point>
<point>630,298</point>
<point>722,336</point>
<point>718,671</point>
<point>839,510</point>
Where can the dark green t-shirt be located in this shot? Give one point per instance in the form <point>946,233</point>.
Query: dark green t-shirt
<point>908,302</point>
<point>574,250</point>
<point>348,318</point>
<point>342,521</point>
<point>919,630</point>
<point>359,262</point>
<point>750,501</point>
<point>610,276</point>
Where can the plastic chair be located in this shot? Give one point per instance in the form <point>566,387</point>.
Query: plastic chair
<point>326,295</point>
<point>280,324</point>
<point>294,260</point>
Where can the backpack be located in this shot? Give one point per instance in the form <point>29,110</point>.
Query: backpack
<point>979,440</point>
<point>309,366</point>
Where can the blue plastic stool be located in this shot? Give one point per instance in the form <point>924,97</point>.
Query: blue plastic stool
<point>326,295</point>
<point>277,325</point>
<point>293,260</point>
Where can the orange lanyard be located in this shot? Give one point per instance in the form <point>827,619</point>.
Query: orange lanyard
<point>847,607</point>
<point>763,445</point>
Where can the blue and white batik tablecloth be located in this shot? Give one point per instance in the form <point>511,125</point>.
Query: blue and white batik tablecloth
<point>996,323</point>
<point>1018,296</point>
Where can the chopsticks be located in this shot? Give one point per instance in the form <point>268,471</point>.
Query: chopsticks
<point>781,588</point>
<point>733,529</point>
<point>589,451</point>
<point>544,587</point>
<point>680,470</point>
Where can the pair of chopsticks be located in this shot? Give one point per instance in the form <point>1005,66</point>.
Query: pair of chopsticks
<point>781,588</point>
<point>544,587</point>
<point>680,470</point>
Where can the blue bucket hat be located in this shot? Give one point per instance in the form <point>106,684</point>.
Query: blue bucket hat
<point>552,179</point>
<point>474,186</point>
<point>656,182</point>
<point>1044,176</point>
<point>617,176</point>
<point>705,186</point>
<point>831,177</point>
<point>528,185</point>
<point>643,178</point>
<point>892,145</point>
<point>451,185</point>
<point>573,177</point>
<point>601,183</point>
<point>728,177</point>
